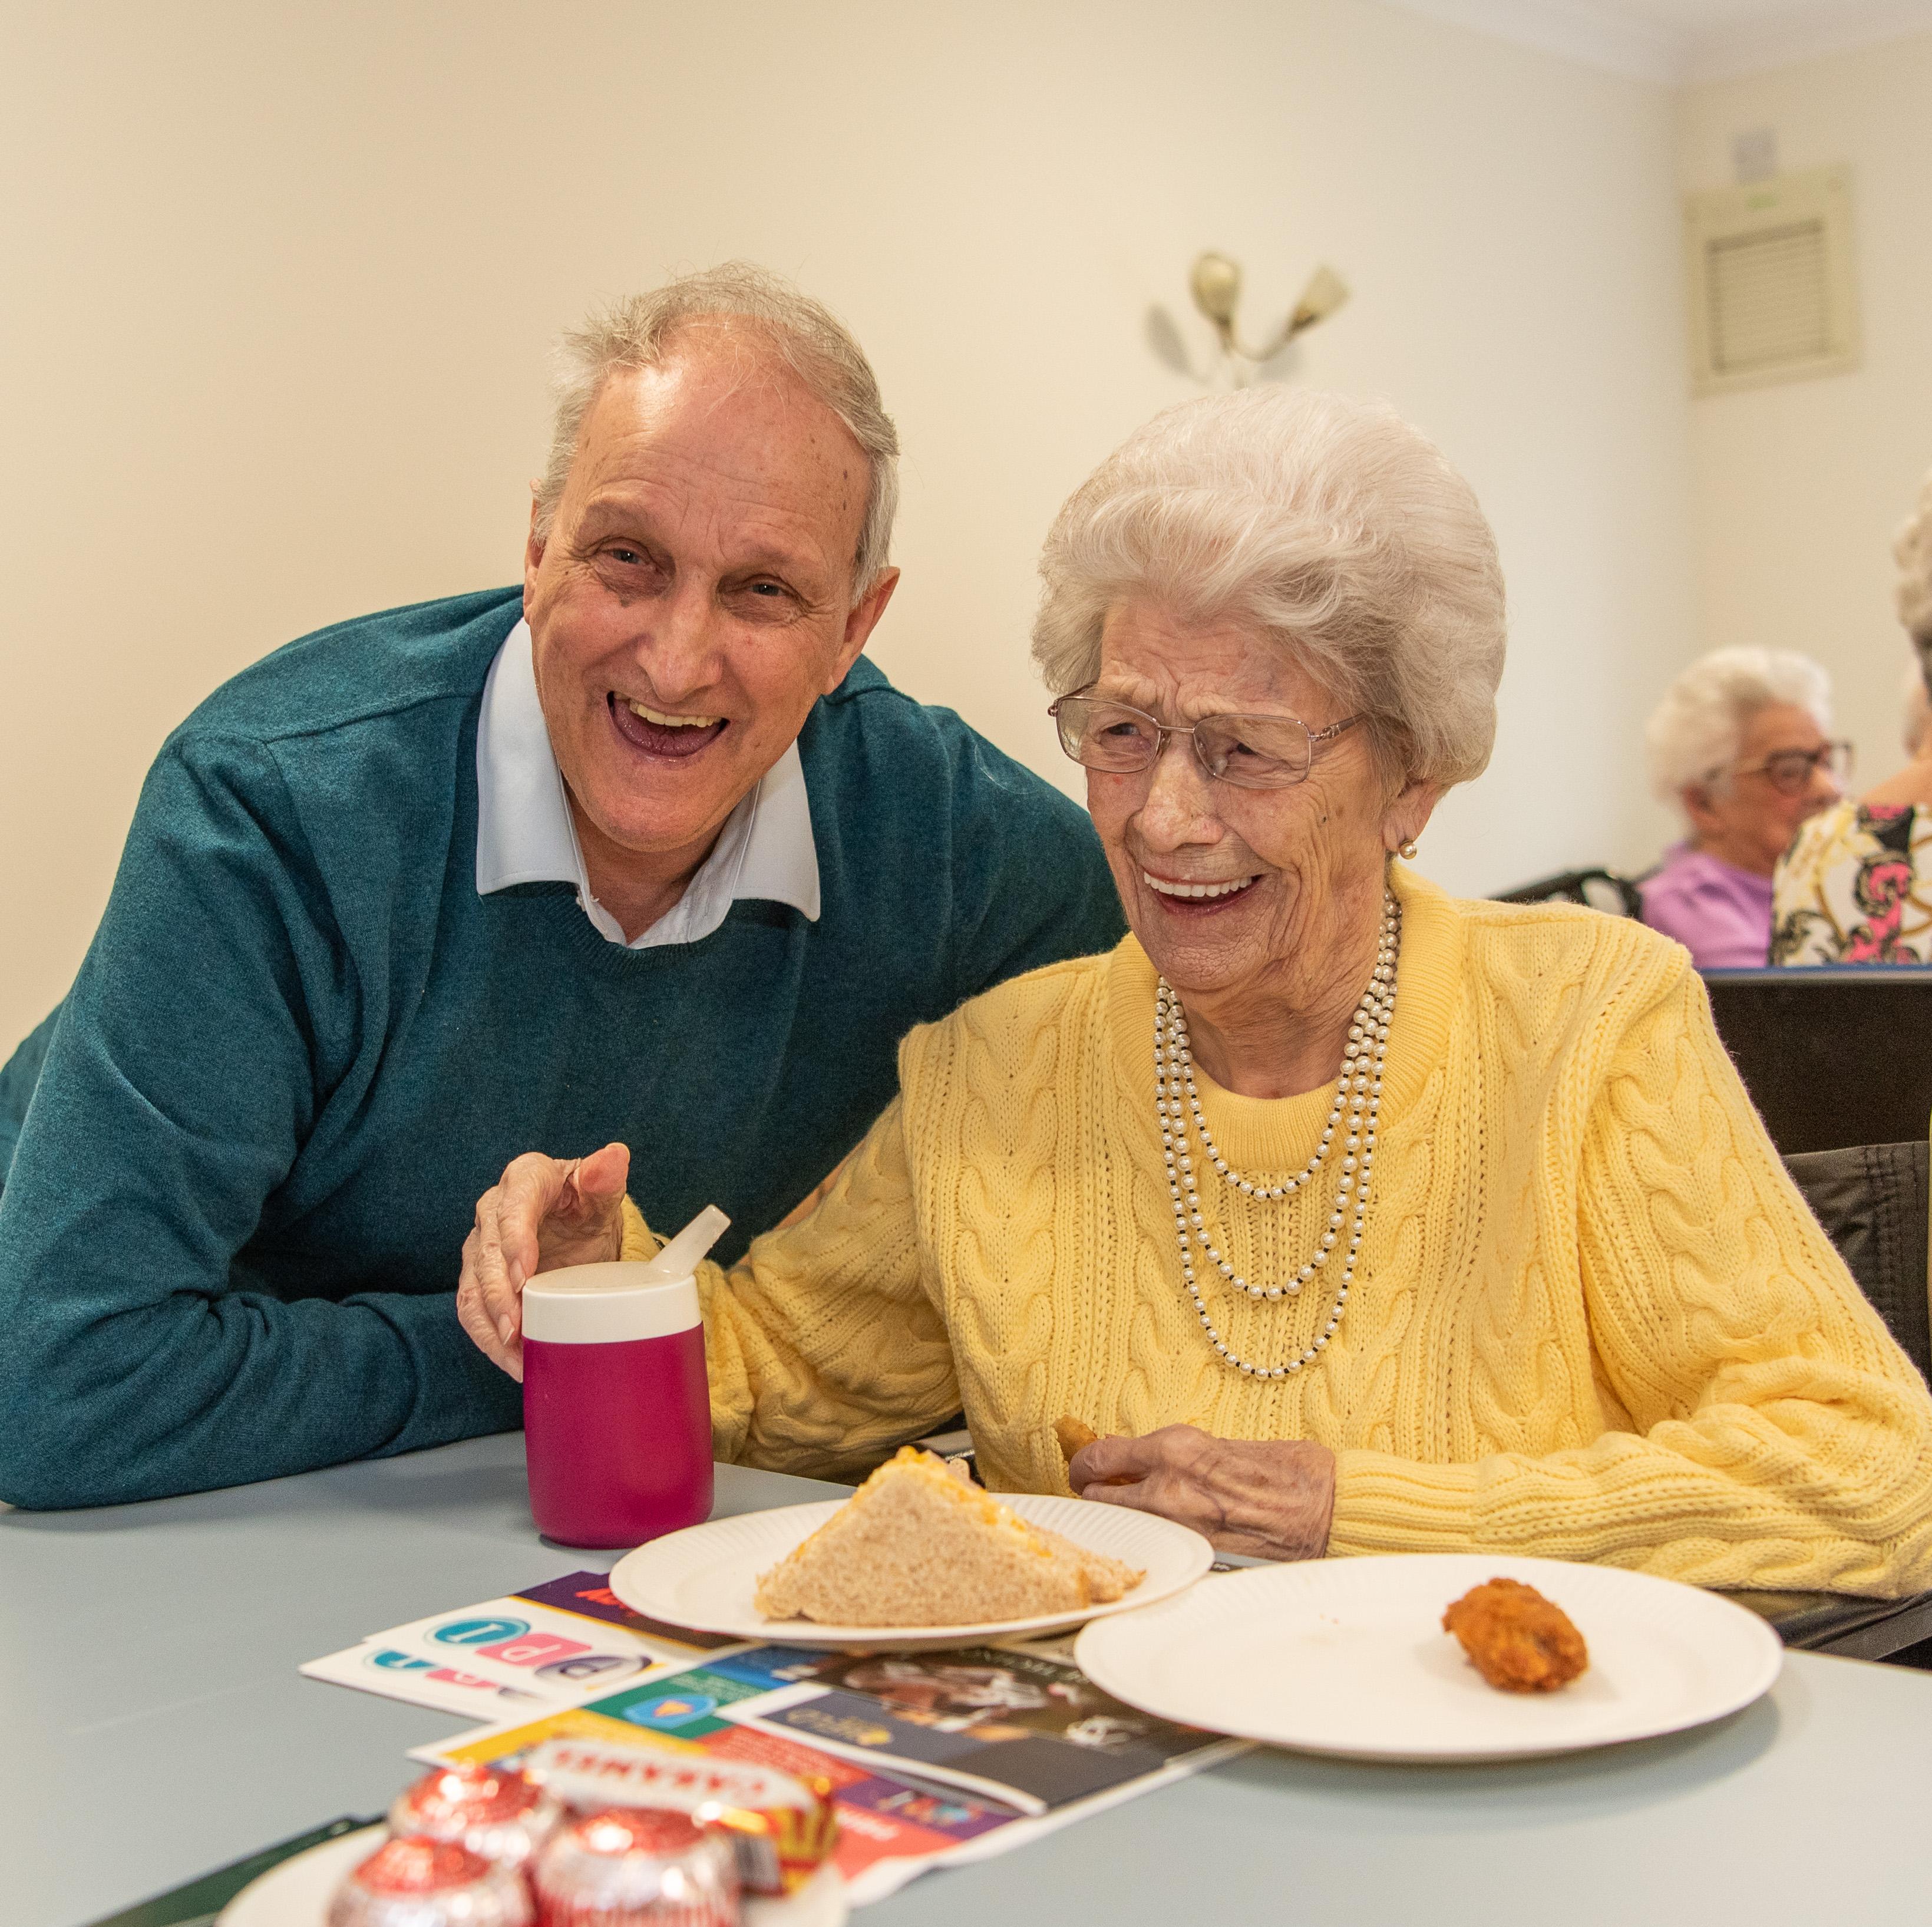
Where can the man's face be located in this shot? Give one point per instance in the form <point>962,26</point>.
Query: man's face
<point>693,597</point>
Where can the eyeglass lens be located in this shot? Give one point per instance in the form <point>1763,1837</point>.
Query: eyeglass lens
<point>1791,769</point>
<point>1253,752</point>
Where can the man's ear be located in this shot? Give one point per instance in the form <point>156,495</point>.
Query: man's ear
<point>859,624</point>
<point>533,553</point>
<point>1407,814</point>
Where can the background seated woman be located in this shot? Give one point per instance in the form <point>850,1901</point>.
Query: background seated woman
<point>1369,1220</point>
<point>1856,886</point>
<point>1738,744</point>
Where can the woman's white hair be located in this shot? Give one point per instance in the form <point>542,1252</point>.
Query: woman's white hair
<point>1913,551</point>
<point>1915,707</point>
<point>1694,733</point>
<point>814,343</point>
<point>1330,524</point>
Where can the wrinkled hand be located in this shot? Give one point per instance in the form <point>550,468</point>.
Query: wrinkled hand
<point>1270,1500</point>
<point>543,1213</point>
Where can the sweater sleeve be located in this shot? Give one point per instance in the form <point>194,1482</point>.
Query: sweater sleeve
<point>1029,881</point>
<point>1763,1429</point>
<point>824,1343</point>
<point>181,1078</point>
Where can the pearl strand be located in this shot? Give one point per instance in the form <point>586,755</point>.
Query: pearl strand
<point>1358,1091</point>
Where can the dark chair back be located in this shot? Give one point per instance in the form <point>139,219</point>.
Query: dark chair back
<point>1871,1199</point>
<point>1595,890</point>
<point>1832,1057</point>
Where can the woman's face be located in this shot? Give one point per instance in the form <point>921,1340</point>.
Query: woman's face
<point>1283,859</point>
<point>1748,821</point>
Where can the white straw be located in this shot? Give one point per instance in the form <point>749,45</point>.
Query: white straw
<point>679,1259</point>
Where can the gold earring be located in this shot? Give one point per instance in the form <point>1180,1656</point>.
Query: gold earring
<point>1406,851</point>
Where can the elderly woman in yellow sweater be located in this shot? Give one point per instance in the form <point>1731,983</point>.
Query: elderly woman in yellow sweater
<point>1360,1219</point>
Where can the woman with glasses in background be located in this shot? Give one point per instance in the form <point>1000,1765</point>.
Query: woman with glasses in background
<point>1739,744</point>
<point>1856,886</point>
<point>1357,1218</point>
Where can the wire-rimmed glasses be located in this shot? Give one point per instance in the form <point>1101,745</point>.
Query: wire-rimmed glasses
<point>1253,752</point>
<point>1789,772</point>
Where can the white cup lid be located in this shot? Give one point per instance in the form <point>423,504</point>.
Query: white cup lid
<point>604,1304</point>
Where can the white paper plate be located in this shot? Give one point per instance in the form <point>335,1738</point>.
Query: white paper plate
<point>704,1576</point>
<point>296,1893</point>
<point>1348,1656</point>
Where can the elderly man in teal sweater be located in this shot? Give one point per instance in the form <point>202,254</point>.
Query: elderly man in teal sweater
<point>645,851</point>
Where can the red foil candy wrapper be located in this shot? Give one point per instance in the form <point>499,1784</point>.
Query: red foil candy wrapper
<point>430,1883</point>
<point>636,1867</point>
<point>780,1829</point>
<point>499,1814</point>
<point>779,1847</point>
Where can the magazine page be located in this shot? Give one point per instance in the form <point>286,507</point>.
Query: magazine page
<point>1024,1728</point>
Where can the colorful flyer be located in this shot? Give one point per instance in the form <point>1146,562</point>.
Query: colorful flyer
<point>560,1657</point>
<point>930,1757</point>
<point>375,1667</point>
<point>898,1815</point>
<point>588,1594</point>
<point>889,1830</point>
<point>552,1645</point>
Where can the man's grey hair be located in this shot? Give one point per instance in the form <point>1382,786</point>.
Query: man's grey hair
<point>809,338</point>
<point>1331,525</point>
<point>1694,734</point>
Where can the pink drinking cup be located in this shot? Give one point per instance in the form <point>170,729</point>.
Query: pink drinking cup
<point>616,1404</point>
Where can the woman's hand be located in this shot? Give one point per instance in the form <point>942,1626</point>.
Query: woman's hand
<point>1262,1500</point>
<point>543,1213</point>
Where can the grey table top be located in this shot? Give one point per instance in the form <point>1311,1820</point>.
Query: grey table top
<point>148,1658</point>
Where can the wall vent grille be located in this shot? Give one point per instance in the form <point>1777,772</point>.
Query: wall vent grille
<point>1771,293</point>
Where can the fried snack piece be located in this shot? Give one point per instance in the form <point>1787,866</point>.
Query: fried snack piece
<point>1073,1434</point>
<point>1516,1638</point>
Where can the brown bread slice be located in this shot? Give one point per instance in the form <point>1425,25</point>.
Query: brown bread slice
<point>1108,1578</point>
<point>916,1546</point>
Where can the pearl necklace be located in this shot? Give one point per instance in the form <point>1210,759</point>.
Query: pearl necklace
<point>1358,1091</point>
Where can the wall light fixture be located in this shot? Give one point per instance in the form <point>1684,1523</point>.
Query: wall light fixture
<point>1216,282</point>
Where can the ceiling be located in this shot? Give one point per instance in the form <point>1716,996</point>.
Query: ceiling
<point>1697,16</point>
<point>1680,41</point>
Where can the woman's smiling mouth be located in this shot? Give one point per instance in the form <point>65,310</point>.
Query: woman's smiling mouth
<point>1193,899</point>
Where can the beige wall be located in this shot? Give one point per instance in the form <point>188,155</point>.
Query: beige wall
<point>279,282</point>
<point>1799,488</point>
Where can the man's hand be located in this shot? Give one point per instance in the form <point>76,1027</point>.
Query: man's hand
<point>1263,1500</point>
<point>543,1213</point>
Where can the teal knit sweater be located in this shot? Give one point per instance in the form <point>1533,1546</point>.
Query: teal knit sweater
<point>301,1045</point>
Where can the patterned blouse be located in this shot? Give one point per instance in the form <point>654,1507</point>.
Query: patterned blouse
<point>1856,886</point>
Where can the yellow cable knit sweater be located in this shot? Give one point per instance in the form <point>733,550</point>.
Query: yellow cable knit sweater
<point>1593,1319</point>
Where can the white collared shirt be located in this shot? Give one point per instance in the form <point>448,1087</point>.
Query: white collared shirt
<point>525,832</point>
